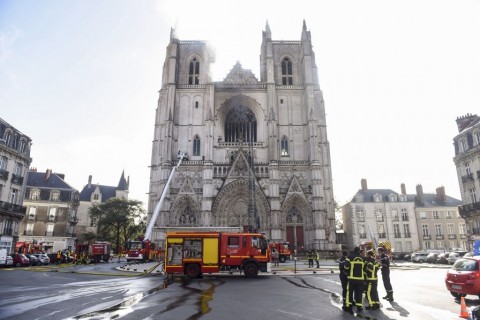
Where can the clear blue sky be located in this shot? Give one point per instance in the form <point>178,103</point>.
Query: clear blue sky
<point>81,78</point>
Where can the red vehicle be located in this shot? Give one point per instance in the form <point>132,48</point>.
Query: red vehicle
<point>141,251</point>
<point>20,260</point>
<point>464,277</point>
<point>283,249</point>
<point>194,253</point>
<point>97,251</point>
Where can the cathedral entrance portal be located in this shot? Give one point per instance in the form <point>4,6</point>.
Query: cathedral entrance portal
<point>294,228</point>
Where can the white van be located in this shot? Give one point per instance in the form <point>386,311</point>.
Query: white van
<point>3,257</point>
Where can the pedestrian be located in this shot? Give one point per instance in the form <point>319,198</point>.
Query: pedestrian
<point>343,277</point>
<point>274,256</point>
<point>355,265</point>
<point>59,257</point>
<point>371,269</point>
<point>385,264</point>
<point>317,258</point>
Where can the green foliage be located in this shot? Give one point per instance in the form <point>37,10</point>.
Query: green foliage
<point>119,220</point>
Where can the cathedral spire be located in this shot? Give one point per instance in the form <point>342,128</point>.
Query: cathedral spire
<point>305,33</point>
<point>173,35</point>
<point>267,33</point>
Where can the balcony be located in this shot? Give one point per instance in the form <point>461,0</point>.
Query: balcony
<point>17,179</point>
<point>382,235</point>
<point>469,210</point>
<point>3,174</point>
<point>452,236</point>
<point>28,232</point>
<point>7,231</point>
<point>427,237</point>
<point>467,178</point>
<point>51,218</point>
<point>408,235</point>
<point>10,208</point>
<point>397,235</point>
<point>439,237</point>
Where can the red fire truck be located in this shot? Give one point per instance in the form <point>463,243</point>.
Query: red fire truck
<point>97,251</point>
<point>141,250</point>
<point>195,253</point>
<point>283,249</point>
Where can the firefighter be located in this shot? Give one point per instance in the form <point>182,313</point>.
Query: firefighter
<point>385,263</point>
<point>343,277</point>
<point>317,258</point>
<point>310,258</point>
<point>371,270</point>
<point>355,265</point>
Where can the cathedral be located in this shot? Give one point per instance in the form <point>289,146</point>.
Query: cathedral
<point>256,150</point>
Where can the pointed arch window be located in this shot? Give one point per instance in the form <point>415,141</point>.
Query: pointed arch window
<point>239,126</point>
<point>187,217</point>
<point>196,146</point>
<point>294,212</point>
<point>287,74</point>
<point>284,146</point>
<point>194,72</point>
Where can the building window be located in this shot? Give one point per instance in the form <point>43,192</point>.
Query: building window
<point>377,198</point>
<point>425,231</point>
<point>196,104</point>
<point>32,211</point>
<point>34,194</point>
<point>50,230</point>
<point>284,146</point>
<point>381,231</point>
<point>438,230</point>
<point>423,215</point>
<point>404,215</point>
<point>450,228</point>
<point>393,198</point>
<point>18,169</point>
<point>96,196</point>
<point>395,215</point>
<point>3,163</point>
<point>379,214</point>
<point>463,145</point>
<point>55,195</point>
<point>361,231</point>
<point>240,125</point>
<point>8,138</point>
<point>194,72</point>
<point>287,78</point>
<point>473,196</point>
<point>468,171</point>
<point>406,230</point>
<point>360,215</point>
<point>13,196</point>
<point>427,245</point>
<point>403,198</point>
<point>8,227</point>
<point>440,245</point>
<point>29,229</point>
<point>23,145</point>
<point>449,215</point>
<point>436,215</point>
<point>477,137</point>
<point>396,230</point>
<point>196,146</point>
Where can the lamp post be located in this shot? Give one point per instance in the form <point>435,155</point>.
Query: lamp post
<point>294,220</point>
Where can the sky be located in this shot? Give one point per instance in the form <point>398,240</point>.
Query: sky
<point>81,79</point>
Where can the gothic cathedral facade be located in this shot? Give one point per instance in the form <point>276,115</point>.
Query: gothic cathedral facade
<point>257,150</point>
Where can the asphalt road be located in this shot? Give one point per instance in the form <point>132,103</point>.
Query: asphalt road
<point>104,291</point>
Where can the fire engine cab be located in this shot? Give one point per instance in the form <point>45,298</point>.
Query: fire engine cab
<point>195,253</point>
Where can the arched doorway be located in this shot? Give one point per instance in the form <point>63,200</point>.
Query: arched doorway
<point>294,228</point>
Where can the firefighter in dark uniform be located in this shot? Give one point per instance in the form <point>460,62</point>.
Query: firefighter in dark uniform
<point>343,277</point>
<point>371,270</point>
<point>355,267</point>
<point>385,263</point>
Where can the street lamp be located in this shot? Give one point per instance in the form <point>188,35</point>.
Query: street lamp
<point>294,220</point>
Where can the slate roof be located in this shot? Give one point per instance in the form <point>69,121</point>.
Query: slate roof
<point>431,200</point>
<point>37,180</point>
<point>107,192</point>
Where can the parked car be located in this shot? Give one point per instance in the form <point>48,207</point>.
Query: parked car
<point>464,277</point>
<point>432,257</point>
<point>443,258</point>
<point>43,258</point>
<point>419,257</point>
<point>20,260</point>
<point>468,254</point>
<point>33,260</point>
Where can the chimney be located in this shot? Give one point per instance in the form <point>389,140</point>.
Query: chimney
<point>47,174</point>
<point>420,198</point>
<point>403,189</point>
<point>33,169</point>
<point>61,175</point>
<point>89,181</point>
<point>464,121</point>
<point>441,194</point>
<point>364,184</point>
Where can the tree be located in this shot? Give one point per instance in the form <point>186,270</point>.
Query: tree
<point>118,220</point>
<point>338,216</point>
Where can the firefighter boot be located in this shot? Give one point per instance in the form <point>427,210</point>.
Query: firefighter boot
<point>389,296</point>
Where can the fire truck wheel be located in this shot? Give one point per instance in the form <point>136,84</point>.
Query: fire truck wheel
<point>250,269</point>
<point>282,259</point>
<point>192,270</point>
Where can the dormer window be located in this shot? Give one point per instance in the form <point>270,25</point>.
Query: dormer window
<point>393,198</point>
<point>194,72</point>
<point>287,78</point>
<point>359,198</point>
<point>55,196</point>
<point>8,138</point>
<point>34,194</point>
<point>377,198</point>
